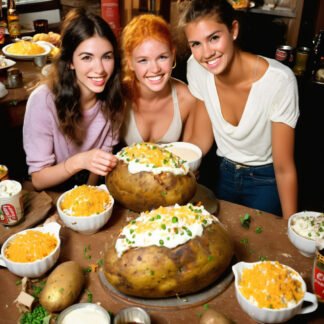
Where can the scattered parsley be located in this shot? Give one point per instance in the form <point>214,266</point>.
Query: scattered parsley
<point>245,220</point>
<point>244,241</point>
<point>263,258</point>
<point>259,230</point>
<point>86,250</point>
<point>89,296</point>
<point>100,262</point>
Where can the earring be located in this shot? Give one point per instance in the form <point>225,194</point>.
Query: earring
<point>174,64</point>
<point>234,37</point>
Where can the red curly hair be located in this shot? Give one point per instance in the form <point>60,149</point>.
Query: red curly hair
<point>139,29</point>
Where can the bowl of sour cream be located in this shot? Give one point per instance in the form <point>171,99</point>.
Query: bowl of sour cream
<point>188,152</point>
<point>303,229</point>
<point>84,313</point>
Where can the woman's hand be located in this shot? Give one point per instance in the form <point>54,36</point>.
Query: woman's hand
<point>98,161</point>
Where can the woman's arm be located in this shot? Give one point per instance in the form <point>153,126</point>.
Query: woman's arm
<point>198,129</point>
<point>283,137</point>
<point>96,161</point>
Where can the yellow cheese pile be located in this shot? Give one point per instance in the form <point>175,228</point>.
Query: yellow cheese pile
<point>85,201</point>
<point>271,285</point>
<point>150,154</point>
<point>25,48</point>
<point>30,246</point>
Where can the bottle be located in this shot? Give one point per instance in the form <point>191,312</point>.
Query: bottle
<point>318,270</point>
<point>3,26</point>
<point>13,20</point>
<point>317,53</point>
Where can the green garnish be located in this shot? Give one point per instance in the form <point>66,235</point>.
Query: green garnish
<point>38,315</point>
<point>245,220</point>
<point>89,296</point>
<point>258,230</point>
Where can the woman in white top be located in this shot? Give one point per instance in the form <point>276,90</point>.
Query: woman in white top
<point>159,106</point>
<point>252,109</point>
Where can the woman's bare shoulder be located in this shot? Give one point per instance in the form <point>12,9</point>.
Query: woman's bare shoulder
<point>187,101</point>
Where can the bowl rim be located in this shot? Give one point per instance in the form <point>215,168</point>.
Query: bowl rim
<point>46,47</point>
<point>293,232</point>
<point>81,305</point>
<point>83,218</point>
<point>195,147</point>
<point>38,229</point>
<point>250,265</point>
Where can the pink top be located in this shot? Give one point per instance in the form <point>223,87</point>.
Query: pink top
<point>44,143</point>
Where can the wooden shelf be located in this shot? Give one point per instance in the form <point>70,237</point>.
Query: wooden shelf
<point>278,11</point>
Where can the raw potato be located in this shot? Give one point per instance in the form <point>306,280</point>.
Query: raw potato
<point>156,272</point>
<point>145,191</point>
<point>213,317</point>
<point>63,286</point>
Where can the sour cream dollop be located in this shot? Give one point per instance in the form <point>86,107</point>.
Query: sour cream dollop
<point>165,226</point>
<point>308,226</point>
<point>153,158</point>
<point>9,188</point>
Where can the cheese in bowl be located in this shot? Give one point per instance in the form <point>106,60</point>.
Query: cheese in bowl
<point>271,292</point>
<point>25,48</point>
<point>32,252</point>
<point>85,208</point>
<point>85,201</point>
<point>148,176</point>
<point>31,246</point>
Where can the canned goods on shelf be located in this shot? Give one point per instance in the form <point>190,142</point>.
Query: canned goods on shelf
<point>285,55</point>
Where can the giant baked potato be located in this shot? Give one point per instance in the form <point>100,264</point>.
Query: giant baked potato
<point>148,176</point>
<point>169,251</point>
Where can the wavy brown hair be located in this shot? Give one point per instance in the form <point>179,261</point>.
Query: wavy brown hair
<point>78,26</point>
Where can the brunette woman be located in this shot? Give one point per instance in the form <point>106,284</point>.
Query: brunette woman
<point>248,104</point>
<point>72,122</point>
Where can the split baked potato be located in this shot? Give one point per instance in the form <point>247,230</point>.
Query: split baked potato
<point>156,271</point>
<point>157,178</point>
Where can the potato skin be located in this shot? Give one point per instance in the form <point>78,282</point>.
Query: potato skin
<point>157,272</point>
<point>145,191</point>
<point>63,286</point>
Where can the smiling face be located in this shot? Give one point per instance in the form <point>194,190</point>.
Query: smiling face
<point>93,62</point>
<point>212,43</point>
<point>152,62</point>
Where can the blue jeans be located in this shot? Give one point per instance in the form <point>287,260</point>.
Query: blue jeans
<point>251,186</point>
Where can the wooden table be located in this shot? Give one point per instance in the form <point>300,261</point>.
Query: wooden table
<point>13,105</point>
<point>272,243</point>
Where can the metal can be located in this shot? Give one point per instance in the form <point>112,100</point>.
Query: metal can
<point>11,202</point>
<point>3,172</point>
<point>285,55</point>
<point>318,271</point>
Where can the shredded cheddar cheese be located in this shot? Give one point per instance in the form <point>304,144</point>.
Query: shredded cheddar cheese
<point>271,285</point>
<point>25,48</point>
<point>30,246</point>
<point>165,226</point>
<point>85,201</point>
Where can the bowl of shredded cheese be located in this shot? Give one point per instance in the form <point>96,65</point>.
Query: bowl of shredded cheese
<point>32,252</point>
<point>303,229</point>
<point>85,209</point>
<point>270,292</point>
<point>26,50</point>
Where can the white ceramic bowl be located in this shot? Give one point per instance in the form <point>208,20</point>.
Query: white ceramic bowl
<point>306,246</point>
<point>94,313</point>
<point>267,315</point>
<point>186,151</point>
<point>39,267</point>
<point>47,50</point>
<point>86,224</point>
